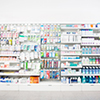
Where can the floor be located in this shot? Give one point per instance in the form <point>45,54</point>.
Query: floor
<point>23,95</point>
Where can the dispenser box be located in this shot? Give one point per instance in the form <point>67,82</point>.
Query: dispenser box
<point>34,79</point>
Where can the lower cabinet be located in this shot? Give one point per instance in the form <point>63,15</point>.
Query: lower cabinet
<point>39,87</point>
<point>48,87</point>
<point>90,87</point>
<point>70,87</point>
<point>9,87</point>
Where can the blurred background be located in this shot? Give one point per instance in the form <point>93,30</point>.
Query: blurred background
<point>41,11</point>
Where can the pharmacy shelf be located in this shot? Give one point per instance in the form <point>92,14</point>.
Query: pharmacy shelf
<point>90,74</point>
<point>90,44</point>
<point>71,42</point>
<point>70,54</point>
<point>70,59</point>
<point>90,36</point>
<point>38,33</point>
<point>9,54</point>
<point>71,74</point>
<point>72,67</point>
<point>49,58</point>
<point>50,36</point>
<point>9,62</point>
<point>71,50</point>
<point>70,35</point>
<point>9,68</point>
<point>49,86</point>
<point>52,44</point>
<point>69,28</point>
<point>90,54</point>
<point>16,74</point>
<point>50,69</point>
<point>90,28</point>
<point>90,64</point>
<point>50,51</point>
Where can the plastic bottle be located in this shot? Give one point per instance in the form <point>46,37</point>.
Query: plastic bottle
<point>99,79</point>
<point>83,70</point>
<point>83,50</point>
<point>87,60</point>
<point>87,79</point>
<point>93,70</point>
<point>79,80</point>
<point>90,70</point>
<point>87,51</point>
<point>50,54</point>
<point>93,60</point>
<point>26,65</point>
<point>29,64</point>
<point>93,50</point>
<point>90,60</point>
<point>90,79</point>
<point>96,70</point>
<point>22,64</point>
<point>69,80</point>
<point>72,79</point>
<point>83,60</point>
<point>93,79</point>
<point>44,54</point>
<point>87,70</point>
<point>96,79</point>
<point>97,60</point>
<point>90,50</point>
<point>97,50</point>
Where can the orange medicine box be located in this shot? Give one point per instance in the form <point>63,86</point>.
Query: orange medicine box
<point>34,79</point>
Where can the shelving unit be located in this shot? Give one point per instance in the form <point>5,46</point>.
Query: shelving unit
<point>9,55</point>
<point>70,39</point>
<point>70,59</point>
<point>91,55</point>
<point>10,61</point>
<point>9,68</point>
<point>71,42</point>
<point>54,36</point>
<point>71,54</point>
<point>14,67</point>
<point>72,67</point>
<point>71,50</point>
<point>90,45</point>
<point>90,36</point>
<point>72,75</point>
<point>91,64</point>
<point>50,52</point>
<point>15,74</point>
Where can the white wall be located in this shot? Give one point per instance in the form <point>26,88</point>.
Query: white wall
<point>29,11</point>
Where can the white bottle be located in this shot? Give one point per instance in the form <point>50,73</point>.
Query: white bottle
<point>29,65</point>
<point>83,60</point>
<point>79,80</point>
<point>87,60</point>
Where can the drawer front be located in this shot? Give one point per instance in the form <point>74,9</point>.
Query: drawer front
<point>70,88</point>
